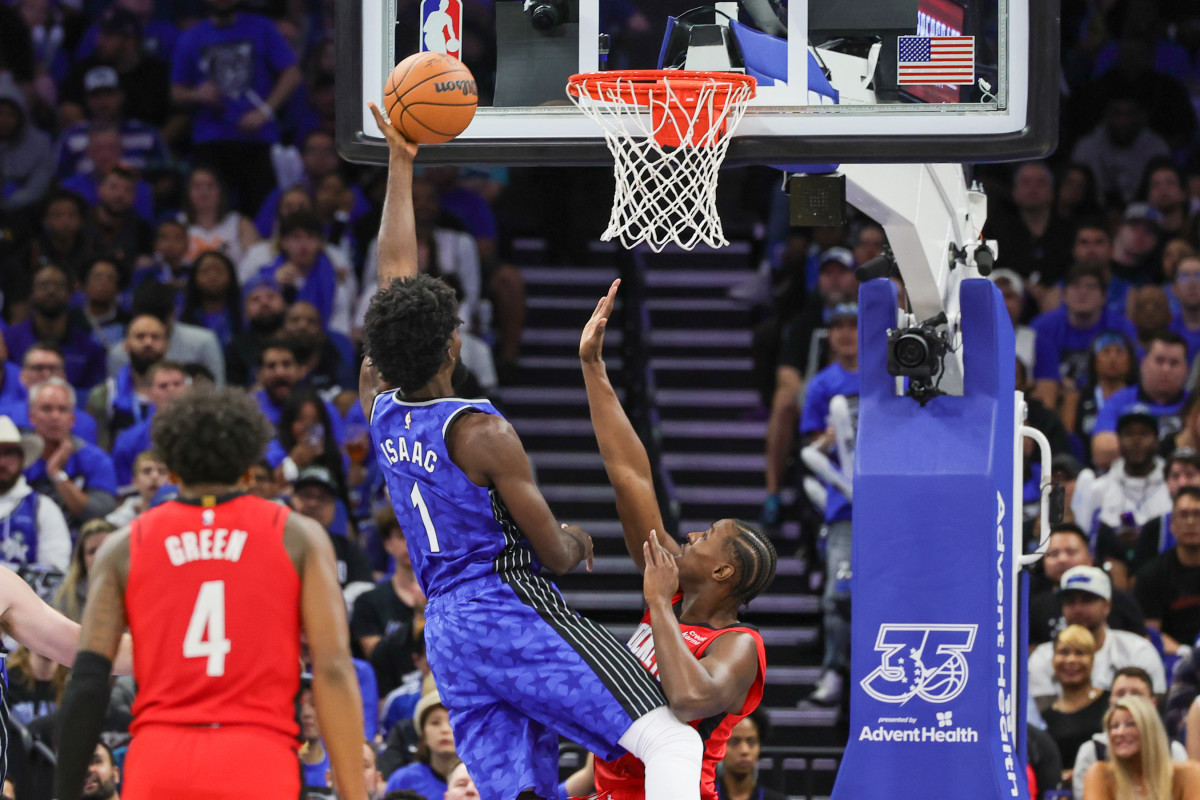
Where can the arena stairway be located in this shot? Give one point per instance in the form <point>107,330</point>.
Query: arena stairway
<point>712,446</point>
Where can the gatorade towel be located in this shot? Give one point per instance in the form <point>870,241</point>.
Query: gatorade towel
<point>936,651</point>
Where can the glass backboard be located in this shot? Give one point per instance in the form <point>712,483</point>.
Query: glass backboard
<point>838,80</point>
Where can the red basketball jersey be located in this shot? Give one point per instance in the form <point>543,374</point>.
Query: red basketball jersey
<point>625,778</point>
<point>213,602</point>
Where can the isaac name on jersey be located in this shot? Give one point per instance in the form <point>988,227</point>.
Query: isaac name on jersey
<point>398,448</point>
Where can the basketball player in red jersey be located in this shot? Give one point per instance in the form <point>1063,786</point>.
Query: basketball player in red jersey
<point>216,587</point>
<point>711,666</point>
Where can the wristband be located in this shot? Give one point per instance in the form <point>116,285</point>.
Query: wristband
<point>61,476</point>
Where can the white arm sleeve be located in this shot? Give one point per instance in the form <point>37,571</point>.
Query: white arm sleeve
<point>1041,672</point>
<point>54,539</point>
<point>1084,758</point>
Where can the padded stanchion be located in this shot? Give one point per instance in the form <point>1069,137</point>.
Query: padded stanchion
<point>936,655</point>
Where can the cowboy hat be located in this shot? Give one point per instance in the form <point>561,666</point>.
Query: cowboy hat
<point>30,443</point>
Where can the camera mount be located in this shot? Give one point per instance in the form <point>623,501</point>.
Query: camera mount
<point>917,353</point>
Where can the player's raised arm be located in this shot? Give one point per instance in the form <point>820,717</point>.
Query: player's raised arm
<point>35,624</point>
<point>624,456</point>
<point>489,451</point>
<point>397,244</point>
<point>695,688</point>
<point>85,700</point>
<point>335,684</point>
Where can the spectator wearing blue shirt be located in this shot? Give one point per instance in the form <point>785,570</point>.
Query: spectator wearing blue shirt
<point>167,381</point>
<point>1186,288</point>
<point>43,360</point>
<point>302,269</point>
<point>122,401</point>
<point>436,755</point>
<point>76,475</point>
<point>1065,334</point>
<point>158,35</point>
<point>54,321</point>
<point>318,156</point>
<point>104,153</point>
<point>141,143</point>
<point>840,378</point>
<point>213,299</point>
<point>1135,260</point>
<point>1160,391</point>
<point>235,71</point>
<point>326,358</point>
<point>314,758</point>
<point>99,302</point>
<point>11,390</point>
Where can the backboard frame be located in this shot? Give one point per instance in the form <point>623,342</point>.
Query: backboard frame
<point>1034,111</point>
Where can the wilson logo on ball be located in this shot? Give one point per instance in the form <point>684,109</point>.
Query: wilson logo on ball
<point>465,87</point>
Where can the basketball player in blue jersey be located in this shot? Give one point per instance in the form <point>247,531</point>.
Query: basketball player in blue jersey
<point>514,665</point>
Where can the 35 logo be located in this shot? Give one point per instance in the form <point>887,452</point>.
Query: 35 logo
<point>923,661</point>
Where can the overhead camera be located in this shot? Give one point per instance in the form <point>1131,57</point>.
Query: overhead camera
<point>916,353</point>
<point>546,15</point>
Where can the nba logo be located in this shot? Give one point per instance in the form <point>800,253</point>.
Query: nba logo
<point>441,26</point>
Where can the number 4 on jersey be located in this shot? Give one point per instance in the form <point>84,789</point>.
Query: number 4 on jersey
<point>208,615</point>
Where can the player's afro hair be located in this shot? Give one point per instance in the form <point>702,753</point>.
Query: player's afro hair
<point>756,559</point>
<point>210,435</point>
<point>407,327</point>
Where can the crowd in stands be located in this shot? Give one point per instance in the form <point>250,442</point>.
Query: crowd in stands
<point>1099,265</point>
<point>173,212</point>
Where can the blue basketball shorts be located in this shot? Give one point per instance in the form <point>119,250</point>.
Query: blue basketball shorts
<point>516,668</point>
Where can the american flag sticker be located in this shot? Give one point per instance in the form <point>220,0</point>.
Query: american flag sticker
<point>936,60</point>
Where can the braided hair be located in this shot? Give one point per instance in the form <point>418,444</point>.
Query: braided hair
<point>756,559</point>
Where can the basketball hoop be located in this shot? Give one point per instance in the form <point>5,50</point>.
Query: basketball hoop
<point>665,162</point>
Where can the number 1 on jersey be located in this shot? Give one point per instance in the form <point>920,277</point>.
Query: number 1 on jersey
<point>208,615</point>
<point>419,504</point>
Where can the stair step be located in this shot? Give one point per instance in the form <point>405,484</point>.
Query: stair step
<point>763,604</point>
<point>526,426</point>
<point>697,429</point>
<point>688,279</point>
<point>707,398</point>
<point>715,462</point>
<point>570,276</point>
<point>563,460</point>
<point>807,717</point>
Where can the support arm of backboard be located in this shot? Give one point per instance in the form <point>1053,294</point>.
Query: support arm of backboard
<point>934,224</point>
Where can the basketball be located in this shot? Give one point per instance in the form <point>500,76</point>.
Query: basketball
<point>430,97</point>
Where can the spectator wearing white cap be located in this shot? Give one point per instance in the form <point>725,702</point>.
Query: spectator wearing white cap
<point>32,528</point>
<point>1087,600</point>
<point>1012,287</point>
<point>1168,588</point>
<point>141,144</point>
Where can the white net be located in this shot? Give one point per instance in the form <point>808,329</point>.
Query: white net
<point>668,133</point>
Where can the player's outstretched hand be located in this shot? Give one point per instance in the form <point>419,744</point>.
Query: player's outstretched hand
<point>661,578</point>
<point>584,540</point>
<point>397,144</point>
<point>591,342</point>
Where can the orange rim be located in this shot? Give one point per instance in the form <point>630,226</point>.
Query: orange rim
<point>638,86</point>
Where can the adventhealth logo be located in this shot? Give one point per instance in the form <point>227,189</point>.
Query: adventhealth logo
<point>922,661</point>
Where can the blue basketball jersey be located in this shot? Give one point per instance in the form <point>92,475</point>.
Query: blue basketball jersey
<point>457,532</point>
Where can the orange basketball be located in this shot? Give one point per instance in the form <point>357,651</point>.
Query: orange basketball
<point>430,97</point>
